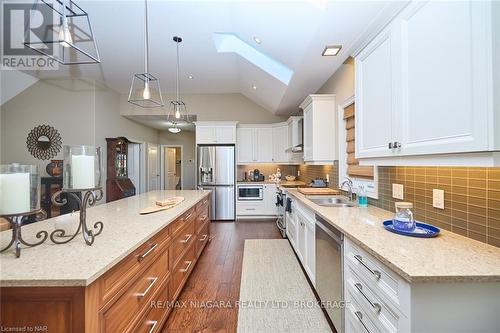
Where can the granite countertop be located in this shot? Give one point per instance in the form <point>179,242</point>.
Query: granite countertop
<point>77,264</point>
<point>447,258</point>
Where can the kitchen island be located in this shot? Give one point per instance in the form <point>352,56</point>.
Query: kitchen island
<point>136,262</point>
<point>394,283</point>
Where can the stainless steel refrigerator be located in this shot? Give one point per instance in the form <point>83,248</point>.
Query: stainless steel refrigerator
<point>216,172</point>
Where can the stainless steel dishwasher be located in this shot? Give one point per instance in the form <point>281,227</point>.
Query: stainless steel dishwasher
<point>329,273</point>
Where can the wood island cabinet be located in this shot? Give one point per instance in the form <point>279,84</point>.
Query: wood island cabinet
<point>135,295</point>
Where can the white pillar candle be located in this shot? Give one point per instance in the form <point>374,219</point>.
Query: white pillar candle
<point>14,193</point>
<point>82,171</point>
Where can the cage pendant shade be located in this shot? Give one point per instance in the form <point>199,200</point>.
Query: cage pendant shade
<point>68,38</point>
<point>145,90</point>
<point>177,111</point>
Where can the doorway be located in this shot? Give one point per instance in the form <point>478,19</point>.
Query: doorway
<point>172,160</point>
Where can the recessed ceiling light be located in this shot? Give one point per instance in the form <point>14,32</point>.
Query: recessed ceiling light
<point>331,50</point>
<point>190,77</point>
<point>254,87</point>
<point>257,40</point>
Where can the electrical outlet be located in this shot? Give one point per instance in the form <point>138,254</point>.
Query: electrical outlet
<point>438,198</point>
<point>397,191</point>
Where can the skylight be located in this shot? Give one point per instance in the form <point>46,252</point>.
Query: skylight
<point>228,42</point>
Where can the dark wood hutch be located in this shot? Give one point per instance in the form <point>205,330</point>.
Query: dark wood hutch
<point>118,185</point>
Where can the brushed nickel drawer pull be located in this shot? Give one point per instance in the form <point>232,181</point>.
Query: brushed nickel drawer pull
<point>359,315</point>
<point>374,272</point>
<point>184,270</point>
<point>205,202</point>
<point>151,249</point>
<point>203,239</point>
<point>145,292</point>
<point>203,218</point>
<point>188,216</point>
<point>153,324</point>
<point>187,239</point>
<point>376,306</point>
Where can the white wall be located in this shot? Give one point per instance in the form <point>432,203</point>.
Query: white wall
<point>12,82</point>
<point>230,107</point>
<point>66,105</point>
<point>188,141</point>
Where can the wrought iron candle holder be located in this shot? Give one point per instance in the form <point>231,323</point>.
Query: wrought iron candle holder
<point>88,199</point>
<point>15,221</point>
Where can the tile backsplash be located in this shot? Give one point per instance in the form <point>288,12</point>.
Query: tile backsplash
<point>266,169</point>
<point>472,198</point>
<point>310,172</point>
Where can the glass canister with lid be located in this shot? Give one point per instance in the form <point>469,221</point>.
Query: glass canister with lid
<point>403,219</point>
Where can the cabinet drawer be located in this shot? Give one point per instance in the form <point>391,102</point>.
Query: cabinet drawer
<point>126,271</point>
<point>201,219</point>
<point>185,218</point>
<point>202,205</point>
<point>181,272</point>
<point>374,306</point>
<point>253,208</point>
<point>153,321</point>
<point>135,301</point>
<point>356,319</point>
<point>184,238</point>
<point>387,284</point>
<point>202,238</point>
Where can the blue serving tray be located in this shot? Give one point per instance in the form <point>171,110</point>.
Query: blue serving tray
<point>422,230</point>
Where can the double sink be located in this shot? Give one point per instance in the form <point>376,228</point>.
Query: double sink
<point>332,201</point>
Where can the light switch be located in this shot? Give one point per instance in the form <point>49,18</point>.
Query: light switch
<point>298,173</point>
<point>397,191</point>
<point>438,198</point>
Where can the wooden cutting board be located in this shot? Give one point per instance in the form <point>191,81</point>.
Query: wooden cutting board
<point>162,205</point>
<point>317,191</point>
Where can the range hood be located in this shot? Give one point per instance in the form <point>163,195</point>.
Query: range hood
<point>296,134</point>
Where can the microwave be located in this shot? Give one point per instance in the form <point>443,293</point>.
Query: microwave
<point>250,192</point>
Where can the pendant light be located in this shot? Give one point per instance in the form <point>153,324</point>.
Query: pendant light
<point>145,88</point>
<point>71,41</point>
<point>177,112</point>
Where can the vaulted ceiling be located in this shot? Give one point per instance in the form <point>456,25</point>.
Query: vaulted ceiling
<point>292,33</point>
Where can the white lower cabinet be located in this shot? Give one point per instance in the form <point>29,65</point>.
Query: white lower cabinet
<point>265,207</point>
<point>305,239</point>
<point>379,300</point>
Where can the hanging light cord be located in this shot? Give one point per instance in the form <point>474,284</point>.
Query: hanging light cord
<point>178,70</point>
<point>146,37</point>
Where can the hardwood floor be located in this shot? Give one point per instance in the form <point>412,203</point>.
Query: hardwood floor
<point>216,279</point>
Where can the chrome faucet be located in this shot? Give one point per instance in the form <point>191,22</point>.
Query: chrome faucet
<point>349,184</point>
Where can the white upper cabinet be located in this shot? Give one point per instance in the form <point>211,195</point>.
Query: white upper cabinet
<point>375,67</point>
<point>280,144</point>
<point>424,87</point>
<point>445,68</point>
<point>215,132</point>
<point>264,144</point>
<point>245,146</point>
<point>320,129</point>
<point>267,143</point>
